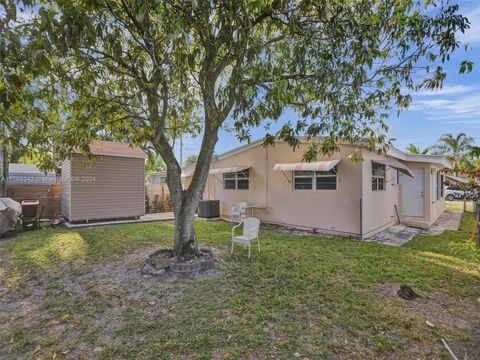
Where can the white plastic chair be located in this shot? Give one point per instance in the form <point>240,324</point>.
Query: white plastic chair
<point>238,211</point>
<point>251,226</point>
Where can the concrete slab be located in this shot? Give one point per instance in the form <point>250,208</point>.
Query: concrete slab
<point>166,216</point>
<point>397,235</point>
<point>449,220</point>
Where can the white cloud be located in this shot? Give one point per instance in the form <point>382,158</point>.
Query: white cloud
<point>473,34</point>
<point>447,90</point>
<point>461,110</point>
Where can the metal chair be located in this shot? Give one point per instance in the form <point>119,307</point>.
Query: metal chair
<point>251,226</point>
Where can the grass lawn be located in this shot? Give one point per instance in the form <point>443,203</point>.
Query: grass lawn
<point>80,294</point>
<point>458,206</point>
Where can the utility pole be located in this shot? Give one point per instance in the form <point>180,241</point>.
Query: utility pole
<point>181,151</point>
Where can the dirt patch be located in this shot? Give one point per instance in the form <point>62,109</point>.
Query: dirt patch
<point>89,302</point>
<point>444,312</point>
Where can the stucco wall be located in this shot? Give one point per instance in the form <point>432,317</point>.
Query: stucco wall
<point>336,211</point>
<point>378,206</point>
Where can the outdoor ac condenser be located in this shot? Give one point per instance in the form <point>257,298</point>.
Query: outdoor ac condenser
<point>209,209</point>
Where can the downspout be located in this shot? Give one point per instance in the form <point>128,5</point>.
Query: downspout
<point>361,219</point>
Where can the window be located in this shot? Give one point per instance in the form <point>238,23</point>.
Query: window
<point>395,177</point>
<point>315,180</point>
<point>236,180</point>
<point>326,180</point>
<point>378,177</point>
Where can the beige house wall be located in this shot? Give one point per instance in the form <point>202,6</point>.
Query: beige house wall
<point>378,207</point>
<point>110,187</point>
<point>334,211</point>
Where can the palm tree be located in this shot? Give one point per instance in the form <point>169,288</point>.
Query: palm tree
<point>413,149</point>
<point>454,147</point>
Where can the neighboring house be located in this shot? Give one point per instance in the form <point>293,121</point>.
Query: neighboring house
<point>29,174</point>
<point>110,187</point>
<point>333,195</point>
<point>157,178</point>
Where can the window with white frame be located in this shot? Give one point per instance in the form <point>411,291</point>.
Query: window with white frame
<point>378,177</point>
<point>395,177</point>
<point>236,180</point>
<point>315,180</point>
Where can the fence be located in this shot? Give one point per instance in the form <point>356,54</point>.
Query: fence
<point>157,198</point>
<point>48,195</point>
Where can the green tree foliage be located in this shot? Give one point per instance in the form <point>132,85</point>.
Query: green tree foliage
<point>191,160</point>
<point>455,147</point>
<point>148,71</point>
<point>154,163</point>
<point>413,149</point>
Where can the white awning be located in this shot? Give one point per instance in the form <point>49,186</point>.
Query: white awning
<point>228,170</point>
<point>189,172</point>
<point>325,165</point>
<point>395,165</point>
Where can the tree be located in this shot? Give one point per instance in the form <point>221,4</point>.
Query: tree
<point>191,160</point>
<point>154,163</point>
<point>148,71</point>
<point>455,147</point>
<point>413,149</point>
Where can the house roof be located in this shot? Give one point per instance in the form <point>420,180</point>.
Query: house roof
<point>392,151</point>
<point>111,148</point>
<point>25,169</point>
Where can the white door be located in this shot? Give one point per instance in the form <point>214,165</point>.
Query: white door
<point>414,193</point>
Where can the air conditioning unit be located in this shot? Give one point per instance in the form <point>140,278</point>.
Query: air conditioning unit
<point>209,209</point>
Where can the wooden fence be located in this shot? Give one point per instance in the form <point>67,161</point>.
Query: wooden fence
<point>49,196</point>
<point>157,198</point>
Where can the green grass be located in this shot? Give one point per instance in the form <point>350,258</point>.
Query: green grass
<point>458,206</point>
<point>318,297</point>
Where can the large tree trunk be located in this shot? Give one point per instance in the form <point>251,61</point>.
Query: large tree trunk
<point>185,201</point>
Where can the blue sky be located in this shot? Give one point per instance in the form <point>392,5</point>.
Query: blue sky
<point>455,108</point>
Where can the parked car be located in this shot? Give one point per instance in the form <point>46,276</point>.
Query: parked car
<point>454,192</point>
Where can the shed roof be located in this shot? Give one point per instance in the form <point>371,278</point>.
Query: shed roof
<point>111,148</point>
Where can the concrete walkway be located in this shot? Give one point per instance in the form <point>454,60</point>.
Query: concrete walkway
<point>449,220</point>
<point>399,235</point>
<point>166,216</point>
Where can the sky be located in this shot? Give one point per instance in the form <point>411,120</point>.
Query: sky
<point>453,109</point>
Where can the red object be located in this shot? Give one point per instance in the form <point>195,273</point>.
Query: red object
<point>29,208</point>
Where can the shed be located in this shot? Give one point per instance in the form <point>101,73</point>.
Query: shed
<point>110,187</point>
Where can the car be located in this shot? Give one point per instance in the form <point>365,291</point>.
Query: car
<point>453,193</point>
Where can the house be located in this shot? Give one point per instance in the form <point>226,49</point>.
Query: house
<point>156,178</point>
<point>29,174</point>
<point>332,195</point>
<point>109,187</point>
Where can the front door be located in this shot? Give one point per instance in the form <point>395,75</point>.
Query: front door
<point>414,193</point>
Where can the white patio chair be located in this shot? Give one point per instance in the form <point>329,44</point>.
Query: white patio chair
<point>251,226</point>
<point>238,211</point>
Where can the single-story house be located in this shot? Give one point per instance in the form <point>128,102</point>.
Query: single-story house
<point>110,187</point>
<point>332,195</point>
<point>156,178</point>
<point>29,174</point>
